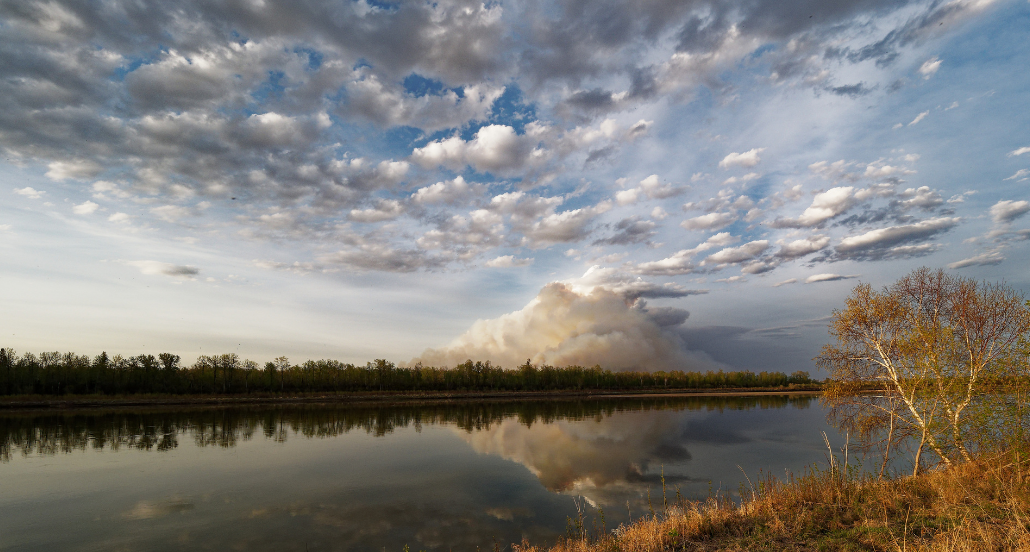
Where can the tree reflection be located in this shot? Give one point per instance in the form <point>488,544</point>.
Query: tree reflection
<point>48,433</point>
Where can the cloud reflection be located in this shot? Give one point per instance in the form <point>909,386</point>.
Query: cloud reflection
<point>604,460</point>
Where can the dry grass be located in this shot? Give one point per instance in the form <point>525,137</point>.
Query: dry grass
<point>981,506</point>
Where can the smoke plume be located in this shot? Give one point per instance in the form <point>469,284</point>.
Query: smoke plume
<point>601,318</point>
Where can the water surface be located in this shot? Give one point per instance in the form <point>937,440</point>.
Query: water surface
<point>331,477</point>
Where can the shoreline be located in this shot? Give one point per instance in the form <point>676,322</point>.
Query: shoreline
<point>978,505</point>
<point>386,398</point>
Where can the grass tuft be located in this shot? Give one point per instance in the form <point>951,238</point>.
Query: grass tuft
<point>978,506</point>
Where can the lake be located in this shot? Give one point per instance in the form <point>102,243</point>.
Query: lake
<point>456,476</point>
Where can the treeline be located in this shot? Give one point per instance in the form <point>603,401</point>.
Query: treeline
<point>48,433</point>
<point>55,373</point>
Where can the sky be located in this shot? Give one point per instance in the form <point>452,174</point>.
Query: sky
<point>661,184</point>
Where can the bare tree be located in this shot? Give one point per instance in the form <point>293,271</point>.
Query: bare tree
<point>911,362</point>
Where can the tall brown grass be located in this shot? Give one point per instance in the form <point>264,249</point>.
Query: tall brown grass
<point>978,506</point>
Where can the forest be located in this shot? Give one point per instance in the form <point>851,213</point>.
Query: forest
<point>55,373</point>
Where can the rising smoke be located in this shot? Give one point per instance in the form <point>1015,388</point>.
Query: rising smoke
<point>601,319</point>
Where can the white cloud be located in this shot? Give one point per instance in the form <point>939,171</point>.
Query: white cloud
<point>1006,211</point>
<point>372,255</point>
<point>919,117</point>
<point>877,170</point>
<point>77,168</point>
<point>786,282</point>
<point>627,197</point>
<point>680,262</point>
<point>739,254</point>
<point>466,236</point>
<point>523,207</point>
<point>494,148</point>
<point>625,285</point>
<point>711,221</point>
<point>984,259</point>
<point>759,266</point>
<point>30,192</point>
<point>650,187</point>
<point>825,205</point>
<point>508,261</point>
<point>876,244</point>
<point>1020,151</point>
<point>296,267</point>
<point>101,187</point>
<point>675,265</point>
<point>1021,175</point>
<point>167,269</point>
<point>171,213</point>
<point>802,247</point>
<point>450,192</point>
<point>449,153</point>
<point>119,217</point>
<point>87,208</point>
<point>929,67</point>
<point>274,130</point>
<point>654,189</point>
<point>793,193</point>
<point>566,226</point>
<point>387,209</point>
<point>922,197</point>
<point>388,105</point>
<point>961,198</point>
<point>746,159</point>
<point>815,278</point>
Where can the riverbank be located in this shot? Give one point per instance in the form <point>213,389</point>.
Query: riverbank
<point>386,398</point>
<point>973,507</point>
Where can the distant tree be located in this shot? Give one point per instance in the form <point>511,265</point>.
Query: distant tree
<point>169,361</point>
<point>281,365</point>
<point>249,368</point>
<point>383,370</point>
<point>229,363</point>
<point>941,355</point>
<point>7,365</point>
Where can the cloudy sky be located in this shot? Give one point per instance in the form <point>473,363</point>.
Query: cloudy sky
<point>663,184</point>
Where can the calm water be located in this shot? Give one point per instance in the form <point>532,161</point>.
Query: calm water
<point>316,478</point>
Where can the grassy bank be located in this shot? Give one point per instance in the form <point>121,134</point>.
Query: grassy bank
<point>978,506</point>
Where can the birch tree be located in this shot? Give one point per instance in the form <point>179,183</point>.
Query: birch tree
<point>927,363</point>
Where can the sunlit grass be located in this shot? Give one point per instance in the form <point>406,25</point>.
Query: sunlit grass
<point>978,506</point>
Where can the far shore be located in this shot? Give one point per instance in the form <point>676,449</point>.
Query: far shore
<point>76,402</point>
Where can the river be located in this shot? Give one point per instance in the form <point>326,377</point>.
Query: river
<point>457,476</point>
